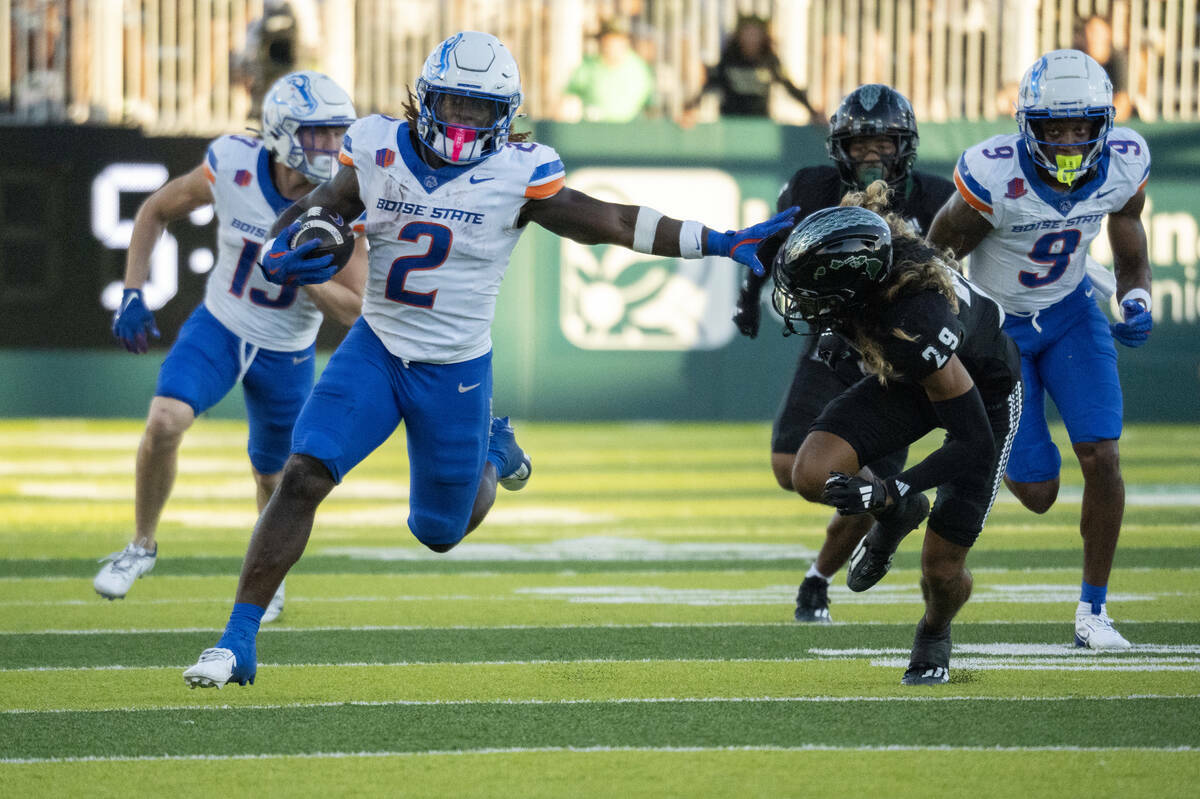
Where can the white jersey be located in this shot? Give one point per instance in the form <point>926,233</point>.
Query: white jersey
<point>439,239</point>
<point>1037,253</point>
<point>273,317</point>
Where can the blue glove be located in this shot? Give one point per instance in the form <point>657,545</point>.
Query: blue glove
<point>133,321</point>
<point>742,245</point>
<point>286,267</point>
<point>1134,331</point>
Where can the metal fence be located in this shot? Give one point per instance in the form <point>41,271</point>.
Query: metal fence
<point>178,66</point>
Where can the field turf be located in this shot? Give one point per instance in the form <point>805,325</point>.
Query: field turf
<point>622,627</point>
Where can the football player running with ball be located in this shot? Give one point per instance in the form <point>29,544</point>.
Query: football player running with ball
<point>447,191</point>
<point>1028,205</point>
<point>872,136</point>
<point>937,358</point>
<point>246,330</point>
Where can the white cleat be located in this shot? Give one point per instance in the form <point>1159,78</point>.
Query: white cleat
<point>1096,631</point>
<point>275,607</point>
<point>212,670</point>
<point>121,569</point>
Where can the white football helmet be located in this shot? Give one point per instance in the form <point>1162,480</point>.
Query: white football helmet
<point>298,100</point>
<point>1065,84</point>
<point>468,93</point>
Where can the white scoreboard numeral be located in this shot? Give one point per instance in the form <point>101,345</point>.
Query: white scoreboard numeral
<point>115,233</point>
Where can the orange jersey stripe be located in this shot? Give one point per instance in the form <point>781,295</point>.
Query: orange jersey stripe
<point>345,160</point>
<point>973,201</point>
<point>545,190</point>
<point>208,173</point>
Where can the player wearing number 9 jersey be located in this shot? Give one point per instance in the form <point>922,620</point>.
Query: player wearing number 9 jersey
<point>447,192</point>
<point>1028,206</point>
<point>247,330</point>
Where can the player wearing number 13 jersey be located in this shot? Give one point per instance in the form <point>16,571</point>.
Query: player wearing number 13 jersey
<point>247,330</point>
<point>447,192</point>
<point>1028,206</point>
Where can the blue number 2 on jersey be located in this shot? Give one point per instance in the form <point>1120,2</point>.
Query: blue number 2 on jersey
<point>1054,249</point>
<point>440,239</point>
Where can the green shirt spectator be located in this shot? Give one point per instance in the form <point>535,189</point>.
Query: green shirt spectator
<point>613,86</point>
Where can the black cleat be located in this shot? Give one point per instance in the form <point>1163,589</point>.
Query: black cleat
<point>873,556</point>
<point>812,603</point>
<point>930,660</point>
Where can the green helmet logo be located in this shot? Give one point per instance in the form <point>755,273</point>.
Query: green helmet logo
<point>860,263</point>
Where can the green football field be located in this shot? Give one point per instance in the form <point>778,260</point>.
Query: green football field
<point>622,627</point>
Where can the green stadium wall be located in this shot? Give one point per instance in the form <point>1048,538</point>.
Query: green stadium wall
<point>581,332</point>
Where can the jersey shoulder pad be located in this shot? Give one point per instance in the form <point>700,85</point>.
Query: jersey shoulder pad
<point>538,166</point>
<point>985,168</point>
<point>233,155</point>
<point>922,332</point>
<point>371,137</point>
<point>1129,155</point>
<point>811,189</point>
<point>934,186</point>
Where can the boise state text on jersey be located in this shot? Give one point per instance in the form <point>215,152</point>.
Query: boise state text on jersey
<point>440,239</point>
<point>1040,259</point>
<point>246,202</point>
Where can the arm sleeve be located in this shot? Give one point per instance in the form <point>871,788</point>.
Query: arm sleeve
<point>969,443</point>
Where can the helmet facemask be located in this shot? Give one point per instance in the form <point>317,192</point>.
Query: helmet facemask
<point>462,126</point>
<point>1066,168</point>
<point>874,110</point>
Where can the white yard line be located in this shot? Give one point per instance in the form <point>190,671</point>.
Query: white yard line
<point>598,750</point>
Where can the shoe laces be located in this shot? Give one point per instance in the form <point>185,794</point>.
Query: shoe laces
<point>214,653</point>
<point>124,559</point>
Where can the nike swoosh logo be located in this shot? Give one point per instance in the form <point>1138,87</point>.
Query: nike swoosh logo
<point>476,179</point>
<point>296,361</point>
<point>1088,292</point>
<point>1103,193</point>
<point>464,389</point>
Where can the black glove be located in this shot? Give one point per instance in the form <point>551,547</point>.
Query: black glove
<point>851,494</point>
<point>749,306</point>
<point>835,352</point>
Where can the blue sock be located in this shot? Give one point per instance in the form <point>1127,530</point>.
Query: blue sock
<point>1094,595</point>
<point>243,625</point>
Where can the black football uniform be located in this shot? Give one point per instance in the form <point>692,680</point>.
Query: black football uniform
<point>879,419</point>
<point>827,367</point>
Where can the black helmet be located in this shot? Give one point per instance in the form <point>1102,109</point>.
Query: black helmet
<point>874,110</point>
<point>829,263</point>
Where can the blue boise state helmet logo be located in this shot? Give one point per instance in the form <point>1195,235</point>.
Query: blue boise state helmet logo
<point>1035,78</point>
<point>443,63</point>
<point>300,100</point>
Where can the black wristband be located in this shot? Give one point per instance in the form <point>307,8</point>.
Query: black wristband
<point>969,443</point>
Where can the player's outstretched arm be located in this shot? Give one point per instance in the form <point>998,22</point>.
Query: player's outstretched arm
<point>1132,266</point>
<point>286,266</point>
<point>583,218</point>
<point>958,227</point>
<point>133,322</point>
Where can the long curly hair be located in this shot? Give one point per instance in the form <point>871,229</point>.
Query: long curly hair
<point>916,266</point>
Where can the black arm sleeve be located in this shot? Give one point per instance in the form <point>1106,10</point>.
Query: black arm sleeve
<point>969,444</point>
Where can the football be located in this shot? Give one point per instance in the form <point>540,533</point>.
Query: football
<point>335,236</point>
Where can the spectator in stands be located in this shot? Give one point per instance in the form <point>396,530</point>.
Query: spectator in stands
<point>614,85</point>
<point>744,74</point>
<point>1094,36</point>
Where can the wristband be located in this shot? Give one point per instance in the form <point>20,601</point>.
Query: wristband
<point>689,240</point>
<point>1139,295</point>
<point>644,230</point>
